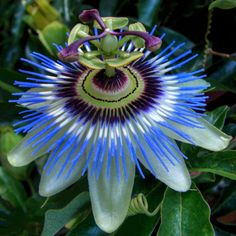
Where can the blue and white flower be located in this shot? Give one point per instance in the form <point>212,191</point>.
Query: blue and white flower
<point>108,108</point>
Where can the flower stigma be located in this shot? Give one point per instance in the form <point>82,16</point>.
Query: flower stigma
<point>108,47</point>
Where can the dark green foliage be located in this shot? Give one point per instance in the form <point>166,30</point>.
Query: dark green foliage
<point>185,214</point>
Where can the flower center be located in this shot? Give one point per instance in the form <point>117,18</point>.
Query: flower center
<point>96,89</point>
<point>90,95</point>
<point>114,84</point>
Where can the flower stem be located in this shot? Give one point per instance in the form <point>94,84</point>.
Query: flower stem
<point>110,71</point>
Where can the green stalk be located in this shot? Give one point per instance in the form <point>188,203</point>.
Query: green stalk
<point>109,71</point>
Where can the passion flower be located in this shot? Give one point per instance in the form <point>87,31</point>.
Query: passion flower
<point>110,106</point>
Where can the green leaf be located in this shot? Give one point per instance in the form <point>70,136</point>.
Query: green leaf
<point>113,23</point>
<point>56,219</point>
<point>223,4</point>
<point>41,14</point>
<point>48,10</point>
<point>217,117</point>
<point>226,202</point>
<point>230,129</point>
<point>118,62</point>
<point>16,28</point>
<point>204,178</point>
<point>11,190</point>
<point>137,41</point>
<point>55,32</point>
<point>184,214</point>
<point>178,37</point>
<point>70,9</point>
<point>224,76</point>
<point>8,139</point>
<point>13,220</point>
<point>9,88</point>
<point>232,113</point>
<point>10,112</point>
<point>220,163</point>
<point>107,7</point>
<point>148,10</point>
<point>7,78</point>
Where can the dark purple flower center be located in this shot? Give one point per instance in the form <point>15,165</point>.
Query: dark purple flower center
<point>110,84</point>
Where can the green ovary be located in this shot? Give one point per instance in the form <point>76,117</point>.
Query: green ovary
<point>90,93</point>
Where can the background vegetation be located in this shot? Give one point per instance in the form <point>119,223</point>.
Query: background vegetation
<point>208,27</point>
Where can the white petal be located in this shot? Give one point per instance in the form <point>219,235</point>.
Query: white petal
<point>52,182</point>
<point>110,198</point>
<point>194,83</point>
<point>22,155</point>
<point>208,137</point>
<point>35,106</point>
<point>176,177</point>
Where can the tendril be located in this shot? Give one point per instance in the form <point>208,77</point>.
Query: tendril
<point>207,42</point>
<point>139,205</point>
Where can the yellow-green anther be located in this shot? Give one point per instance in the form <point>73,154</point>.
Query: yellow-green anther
<point>119,62</point>
<point>92,54</point>
<point>94,63</point>
<point>137,41</point>
<point>123,54</point>
<point>113,23</point>
<point>78,31</point>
